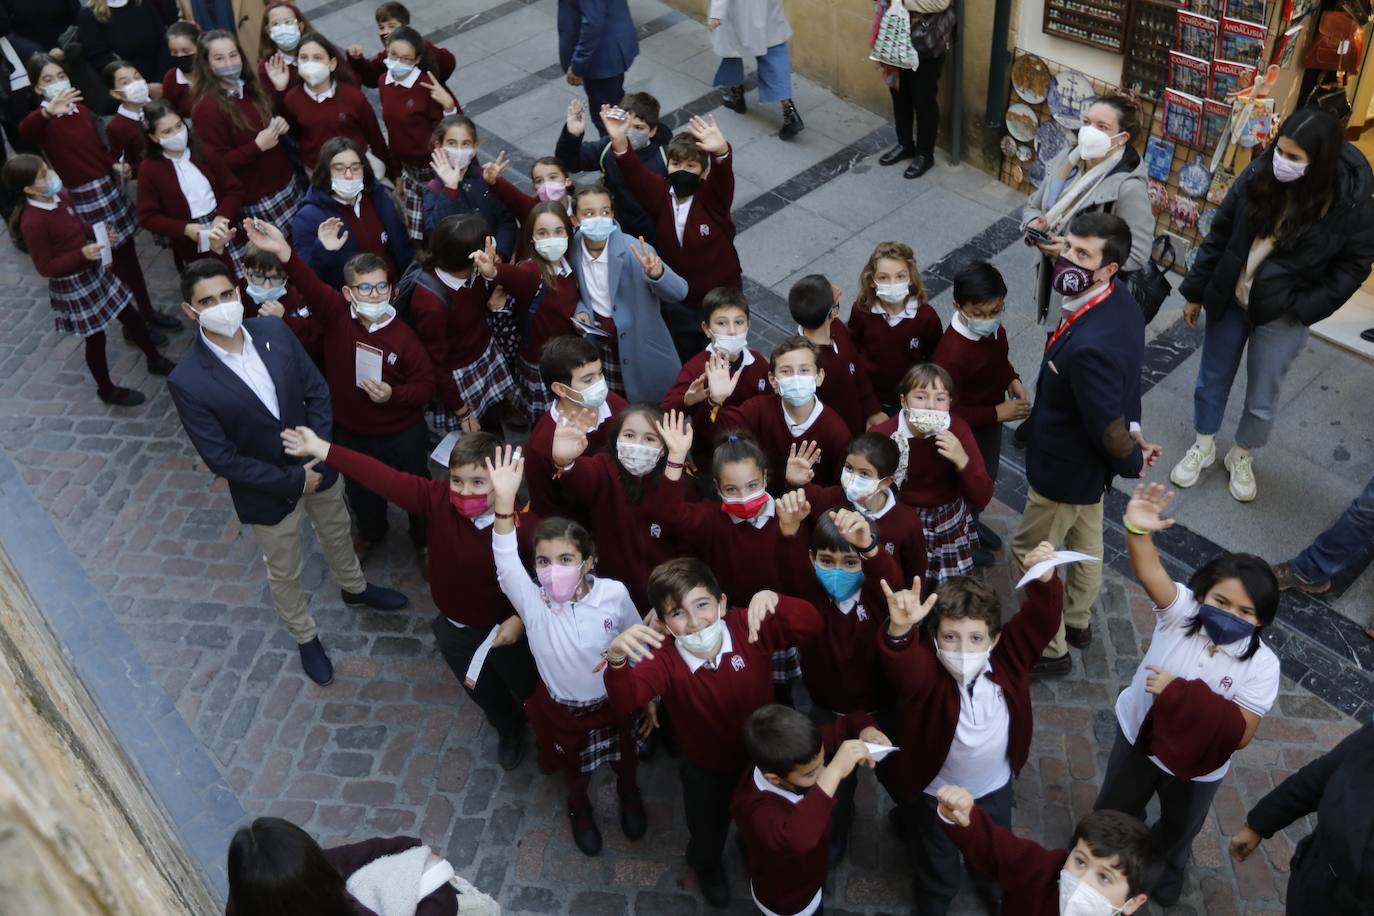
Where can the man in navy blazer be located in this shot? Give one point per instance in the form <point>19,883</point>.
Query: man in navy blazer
<point>238,388</point>
<point>1084,428</point>
<point>597,43</point>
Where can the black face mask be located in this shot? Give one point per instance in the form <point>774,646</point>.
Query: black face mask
<point>684,182</point>
<point>184,63</point>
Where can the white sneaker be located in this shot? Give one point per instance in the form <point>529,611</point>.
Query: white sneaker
<point>1242,472</point>
<point>1192,464</point>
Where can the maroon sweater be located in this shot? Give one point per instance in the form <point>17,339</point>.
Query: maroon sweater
<point>763,416</point>
<point>462,570</point>
<point>55,238</point>
<point>899,530</point>
<point>753,380</point>
<point>1029,871</point>
<point>454,329</point>
<point>176,94</point>
<point>553,307</point>
<point>841,665</point>
<point>297,318</point>
<point>889,351</point>
<point>347,113</point>
<point>1191,728</point>
<point>405,364</point>
<point>931,480</point>
<point>930,696</point>
<point>706,256</point>
<point>366,230</point>
<point>262,173</point>
<point>847,387</point>
<point>162,206</point>
<point>981,370</point>
<point>127,140</point>
<point>546,496</point>
<point>789,843</point>
<point>71,144</point>
<point>709,707</point>
<point>410,116</point>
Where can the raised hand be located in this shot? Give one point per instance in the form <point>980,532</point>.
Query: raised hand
<point>616,129</point>
<point>696,392</point>
<point>438,93</point>
<point>853,527</point>
<point>577,118</point>
<point>951,449</point>
<point>301,442</point>
<point>444,170</point>
<point>801,461</point>
<point>332,234</point>
<point>267,237</point>
<point>355,52</point>
<point>905,608</point>
<point>792,509</point>
<point>956,804</point>
<point>1147,502</point>
<point>647,257</point>
<point>485,260</point>
<point>676,434</point>
<point>761,607</point>
<point>720,381</point>
<point>569,442</point>
<point>1039,553</point>
<point>506,471</point>
<point>637,643</point>
<point>278,72</point>
<point>707,134</point>
<point>64,103</point>
<point>492,170</point>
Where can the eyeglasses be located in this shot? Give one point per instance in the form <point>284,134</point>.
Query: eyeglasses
<point>382,288</point>
<point>339,168</point>
<point>269,281</point>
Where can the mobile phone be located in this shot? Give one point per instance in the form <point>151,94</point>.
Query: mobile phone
<point>1038,235</point>
<point>617,114</point>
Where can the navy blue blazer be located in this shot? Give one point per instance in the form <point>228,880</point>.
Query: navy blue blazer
<point>473,195</point>
<point>319,206</point>
<point>234,432</point>
<point>596,38</point>
<point>1086,397</point>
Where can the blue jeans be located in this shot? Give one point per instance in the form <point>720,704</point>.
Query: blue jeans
<point>1272,349</point>
<point>1334,548</point>
<point>775,73</point>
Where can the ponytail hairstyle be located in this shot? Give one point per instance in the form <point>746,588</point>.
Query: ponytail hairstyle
<point>1283,209</point>
<point>100,9</point>
<point>18,173</point>
<point>551,529</point>
<point>632,485</point>
<point>1254,575</point>
<point>154,112</point>
<point>889,251</point>
<point>734,447</point>
<point>204,82</point>
<point>556,208</point>
<point>343,73</point>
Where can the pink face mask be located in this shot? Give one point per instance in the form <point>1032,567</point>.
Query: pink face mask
<point>468,505</point>
<point>560,582</point>
<point>551,190</point>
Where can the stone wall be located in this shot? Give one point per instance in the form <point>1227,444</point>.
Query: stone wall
<point>79,832</point>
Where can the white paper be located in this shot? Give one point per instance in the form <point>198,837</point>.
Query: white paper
<point>102,238</point>
<point>478,660</point>
<point>879,751</point>
<point>444,449</point>
<point>202,241</point>
<point>367,363</point>
<point>1059,559</point>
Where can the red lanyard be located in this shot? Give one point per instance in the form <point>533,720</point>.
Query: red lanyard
<point>1084,309</point>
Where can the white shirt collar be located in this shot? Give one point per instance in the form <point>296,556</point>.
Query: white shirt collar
<point>452,282</point>
<point>235,91</point>
<point>134,115</point>
<point>484,521</point>
<point>694,662</point>
<point>594,257</point>
<point>908,311</point>
<point>224,354</point>
<point>1069,306</point>
<point>181,78</point>
<point>747,355</point>
<point>957,322</point>
<point>768,511</point>
<point>764,785</point>
<point>408,82</point>
<point>603,413</point>
<point>887,506</point>
<point>327,94</point>
<point>45,205</point>
<point>563,269</point>
<point>386,320</point>
<point>798,428</point>
<point>847,605</point>
<point>801,332</point>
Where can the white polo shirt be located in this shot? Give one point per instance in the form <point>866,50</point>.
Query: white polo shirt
<point>797,429</point>
<point>977,757</point>
<point>1252,684</point>
<point>566,640</point>
<point>595,280</point>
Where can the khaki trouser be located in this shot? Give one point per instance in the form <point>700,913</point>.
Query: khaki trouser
<point>1075,528</point>
<point>281,550</point>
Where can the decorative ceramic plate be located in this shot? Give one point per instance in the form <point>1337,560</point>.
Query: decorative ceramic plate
<point>1036,173</point>
<point>1008,147</point>
<point>1050,140</point>
<point>1030,78</point>
<point>1194,178</point>
<point>1024,152</point>
<point>1021,122</point>
<point>1069,97</point>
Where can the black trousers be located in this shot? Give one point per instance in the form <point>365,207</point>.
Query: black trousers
<point>918,92</point>
<point>706,798</point>
<point>989,442</point>
<point>1314,889</point>
<point>507,679</point>
<point>935,858</point>
<point>606,91</point>
<point>405,451</point>
<point>1131,780</point>
<point>842,815</point>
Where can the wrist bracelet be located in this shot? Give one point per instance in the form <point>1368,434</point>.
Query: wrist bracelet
<point>675,465</point>
<point>1132,529</point>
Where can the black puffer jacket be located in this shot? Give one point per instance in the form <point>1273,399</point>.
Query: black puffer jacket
<point>1310,275</point>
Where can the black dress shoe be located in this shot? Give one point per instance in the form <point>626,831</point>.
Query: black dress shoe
<point>160,366</point>
<point>585,833</point>
<point>634,823</point>
<point>1078,638</point>
<point>1052,667</point>
<point>157,337</point>
<point>510,748</point>
<point>715,887</point>
<point>896,155</point>
<point>163,320</point>
<point>792,123</point>
<point>376,597</point>
<point>732,97</point>
<point>919,166</point>
<point>1367,334</point>
<point>988,538</point>
<point>122,397</point>
<point>316,663</point>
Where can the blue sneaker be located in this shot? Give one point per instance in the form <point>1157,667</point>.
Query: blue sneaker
<point>376,597</point>
<point>316,663</point>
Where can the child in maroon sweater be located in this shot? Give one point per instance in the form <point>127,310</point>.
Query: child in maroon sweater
<point>479,634</point>
<point>712,675</point>
<point>327,104</point>
<point>125,129</point>
<point>783,809</point>
<point>814,303</point>
<point>550,180</point>
<point>182,38</point>
<point>382,418</point>
<point>974,351</point>
<point>1110,867</point>
<point>965,715</point>
<point>789,419</point>
<point>391,16</point>
<point>892,322</point>
<point>940,473</point>
<point>699,244</point>
<point>264,291</point>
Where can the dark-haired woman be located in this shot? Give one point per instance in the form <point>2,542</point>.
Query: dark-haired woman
<point>276,867</point>
<point>186,195</point>
<point>328,103</point>
<point>1102,172</point>
<point>1291,242</point>
<point>346,212</point>
<point>235,121</point>
<point>131,30</point>
<point>1197,696</point>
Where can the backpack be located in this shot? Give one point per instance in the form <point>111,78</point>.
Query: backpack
<point>415,275</point>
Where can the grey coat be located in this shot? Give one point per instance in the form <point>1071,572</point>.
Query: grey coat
<point>648,361</point>
<point>1124,192</point>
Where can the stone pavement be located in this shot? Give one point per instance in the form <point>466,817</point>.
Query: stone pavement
<point>393,746</point>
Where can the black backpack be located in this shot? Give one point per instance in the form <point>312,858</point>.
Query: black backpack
<point>413,276</point>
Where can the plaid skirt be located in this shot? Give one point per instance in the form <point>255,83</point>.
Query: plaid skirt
<point>537,397</point>
<point>104,201</point>
<point>610,355</point>
<point>277,208</point>
<point>84,303</point>
<point>951,538</point>
<point>578,736</point>
<point>482,384</point>
<point>413,181</point>
<point>787,665</point>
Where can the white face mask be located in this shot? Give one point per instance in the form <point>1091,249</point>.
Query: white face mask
<point>371,312</point>
<point>732,345</point>
<point>925,422</point>
<point>551,249</point>
<point>460,158</point>
<point>964,666</point>
<point>313,72</point>
<point>893,293</point>
<point>637,458</point>
<point>175,142</point>
<point>704,643</point>
<point>222,318</point>
<point>857,488</point>
<point>1094,143</point>
<point>346,188</point>
<point>56,88</point>
<point>136,92</point>
<point>1078,899</point>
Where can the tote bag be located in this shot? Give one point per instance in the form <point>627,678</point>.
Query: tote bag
<point>892,43</point>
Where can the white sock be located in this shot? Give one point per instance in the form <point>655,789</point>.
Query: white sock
<point>1240,452</point>
<point>1206,442</point>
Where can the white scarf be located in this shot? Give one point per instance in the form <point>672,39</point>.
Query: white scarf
<point>1064,209</point>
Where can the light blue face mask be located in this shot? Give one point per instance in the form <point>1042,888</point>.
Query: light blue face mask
<point>797,389</point>
<point>983,327</point>
<point>54,184</point>
<point>399,70</point>
<point>597,228</point>
<point>594,395</point>
<point>261,294</point>
<point>839,584</point>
